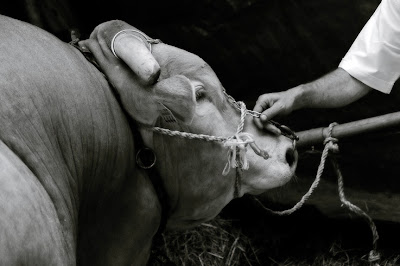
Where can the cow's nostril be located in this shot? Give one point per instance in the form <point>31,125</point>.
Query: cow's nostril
<point>290,157</point>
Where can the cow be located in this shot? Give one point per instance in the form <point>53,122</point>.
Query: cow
<point>71,189</point>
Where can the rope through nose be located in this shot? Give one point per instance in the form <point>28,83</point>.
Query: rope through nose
<point>237,145</point>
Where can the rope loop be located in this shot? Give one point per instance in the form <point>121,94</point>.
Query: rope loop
<point>373,256</point>
<point>330,145</point>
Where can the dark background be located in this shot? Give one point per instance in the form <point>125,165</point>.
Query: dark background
<point>259,46</point>
<point>256,46</point>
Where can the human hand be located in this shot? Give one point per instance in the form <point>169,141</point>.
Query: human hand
<point>274,104</point>
<point>122,53</point>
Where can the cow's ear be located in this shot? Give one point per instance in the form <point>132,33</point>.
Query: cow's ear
<point>178,95</point>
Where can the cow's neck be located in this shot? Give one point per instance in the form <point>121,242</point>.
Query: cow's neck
<point>191,173</point>
<point>119,198</point>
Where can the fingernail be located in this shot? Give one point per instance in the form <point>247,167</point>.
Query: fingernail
<point>263,117</point>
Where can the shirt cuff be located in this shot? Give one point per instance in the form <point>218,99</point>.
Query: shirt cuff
<point>352,67</point>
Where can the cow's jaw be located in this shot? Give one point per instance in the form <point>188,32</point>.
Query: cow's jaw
<point>256,181</point>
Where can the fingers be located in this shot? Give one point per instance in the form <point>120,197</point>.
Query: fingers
<point>273,129</point>
<point>264,102</point>
<point>275,109</point>
<point>266,126</point>
<point>269,106</point>
<point>258,123</point>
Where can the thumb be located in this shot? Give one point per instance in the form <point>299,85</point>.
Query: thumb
<point>276,109</point>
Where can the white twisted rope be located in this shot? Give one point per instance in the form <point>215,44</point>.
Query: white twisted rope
<point>331,145</point>
<point>186,135</point>
<point>373,255</point>
<point>236,144</point>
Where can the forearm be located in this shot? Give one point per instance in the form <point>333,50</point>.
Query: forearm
<point>333,90</point>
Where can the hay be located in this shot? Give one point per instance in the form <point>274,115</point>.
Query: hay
<point>217,242</point>
<point>229,242</point>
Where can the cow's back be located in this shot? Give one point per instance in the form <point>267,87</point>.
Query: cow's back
<point>60,119</point>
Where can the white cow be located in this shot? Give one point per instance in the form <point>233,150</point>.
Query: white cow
<point>70,189</point>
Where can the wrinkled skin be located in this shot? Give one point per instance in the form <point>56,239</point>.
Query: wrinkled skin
<point>69,188</point>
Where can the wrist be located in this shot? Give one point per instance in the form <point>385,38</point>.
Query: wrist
<point>299,94</point>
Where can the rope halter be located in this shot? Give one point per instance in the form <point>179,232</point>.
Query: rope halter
<point>237,144</point>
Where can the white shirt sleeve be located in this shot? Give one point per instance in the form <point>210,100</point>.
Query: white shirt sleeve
<point>374,57</point>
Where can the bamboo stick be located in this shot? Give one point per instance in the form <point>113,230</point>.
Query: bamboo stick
<point>317,135</point>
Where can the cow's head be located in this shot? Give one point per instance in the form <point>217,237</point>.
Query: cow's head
<point>189,92</point>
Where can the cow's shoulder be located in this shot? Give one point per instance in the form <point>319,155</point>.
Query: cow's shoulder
<point>51,94</point>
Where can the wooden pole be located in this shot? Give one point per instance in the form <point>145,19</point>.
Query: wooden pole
<point>317,135</point>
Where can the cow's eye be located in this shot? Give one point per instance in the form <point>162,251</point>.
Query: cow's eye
<point>200,93</point>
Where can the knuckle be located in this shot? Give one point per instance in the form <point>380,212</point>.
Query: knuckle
<point>263,97</point>
<point>281,106</point>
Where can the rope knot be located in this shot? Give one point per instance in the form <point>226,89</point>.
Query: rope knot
<point>373,256</point>
<point>331,142</point>
<point>237,148</point>
<point>332,145</point>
